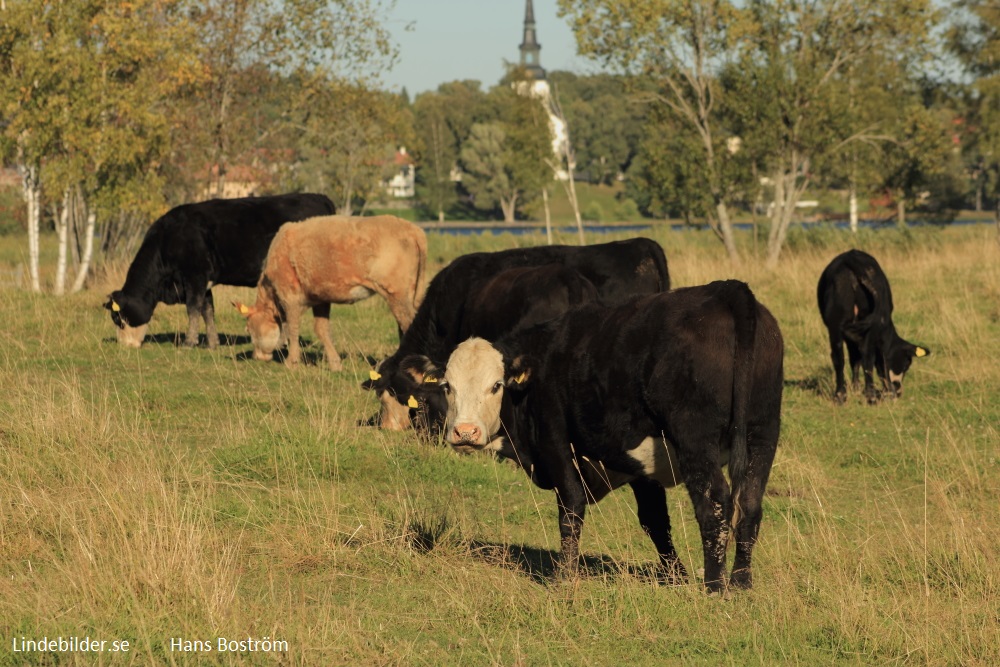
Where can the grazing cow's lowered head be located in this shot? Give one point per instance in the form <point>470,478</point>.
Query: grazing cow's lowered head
<point>474,383</point>
<point>264,328</point>
<point>899,354</point>
<point>131,317</point>
<point>410,394</point>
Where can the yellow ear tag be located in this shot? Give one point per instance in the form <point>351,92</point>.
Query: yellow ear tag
<point>413,403</point>
<point>115,307</point>
<point>374,375</point>
<point>430,379</point>
<point>244,309</point>
<point>520,379</point>
<point>921,352</point>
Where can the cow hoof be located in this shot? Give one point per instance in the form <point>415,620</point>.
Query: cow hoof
<point>840,397</point>
<point>873,399</point>
<point>742,579</point>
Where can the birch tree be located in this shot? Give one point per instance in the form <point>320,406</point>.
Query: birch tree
<point>680,47</point>
<point>791,85</point>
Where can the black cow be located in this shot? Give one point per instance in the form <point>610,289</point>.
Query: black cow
<point>856,305</point>
<point>195,246</point>
<point>618,270</point>
<point>513,299</point>
<point>664,389</point>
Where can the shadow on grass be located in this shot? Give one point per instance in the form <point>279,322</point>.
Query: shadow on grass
<point>813,385</point>
<point>539,565</point>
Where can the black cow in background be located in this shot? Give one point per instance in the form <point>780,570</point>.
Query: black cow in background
<point>195,246</point>
<point>856,304</point>
<point>513,299</point>
<point>618,271</point>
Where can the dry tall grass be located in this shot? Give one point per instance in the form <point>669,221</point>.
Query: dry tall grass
<point>168,493</point>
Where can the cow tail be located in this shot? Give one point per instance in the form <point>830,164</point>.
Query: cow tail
<point>745,323</point>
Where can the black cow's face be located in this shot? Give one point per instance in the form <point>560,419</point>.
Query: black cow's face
<point>125,314</point>
<point>900,357</point>
<point>410,394</point>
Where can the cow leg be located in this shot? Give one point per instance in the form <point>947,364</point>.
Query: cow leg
<point>321,325</point>
<point>837,356</point>
<point>709,493</point>
<point>402,309</point>
<point>208,314</point>
<point>654,517</point>
<point>854,356</point>
<point>195,305</point>
<point>293,319</point>
<point>868,365</point>
<point>762,445</point>
<point>572,501</point>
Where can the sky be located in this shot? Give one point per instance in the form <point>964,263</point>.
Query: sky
<point>448,40</point>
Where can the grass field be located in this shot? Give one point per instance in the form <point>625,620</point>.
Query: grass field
<point>165,495</point>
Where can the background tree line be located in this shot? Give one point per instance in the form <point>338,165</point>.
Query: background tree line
<point>708,111</point>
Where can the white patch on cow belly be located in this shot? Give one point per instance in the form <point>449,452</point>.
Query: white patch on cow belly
<point>658,460</point>
<point>359,293</point>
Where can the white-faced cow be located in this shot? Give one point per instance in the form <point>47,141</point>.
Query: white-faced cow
<point>662,390</point>
<point>856,305</point>
<point>513,299</point>
<point>618,271</point>
<point>334,259</point>
<point>195,246</point>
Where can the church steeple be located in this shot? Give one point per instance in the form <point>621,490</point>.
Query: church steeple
<point>530,47</point>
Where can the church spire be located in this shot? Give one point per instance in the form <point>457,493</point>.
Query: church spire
<point>530,47</point>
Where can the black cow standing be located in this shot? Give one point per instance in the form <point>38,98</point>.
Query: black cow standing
<point>664,389</point>
<point>195,246</point>
<point>618,271</point>
<point>856,304</point>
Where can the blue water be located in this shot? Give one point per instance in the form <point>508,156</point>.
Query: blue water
<point>520,230</point>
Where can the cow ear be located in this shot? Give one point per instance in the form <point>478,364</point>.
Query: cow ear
<point>919,351</point>
<point>421,369</point>
<point>520,371</point>
<point>245,310</point>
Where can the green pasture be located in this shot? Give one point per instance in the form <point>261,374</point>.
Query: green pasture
<point>167,494</point>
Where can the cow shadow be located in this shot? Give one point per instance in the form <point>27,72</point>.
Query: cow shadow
<point>811,385</point>
<point>176,339</point>
<point>309,355</point>
<point>537,564</point>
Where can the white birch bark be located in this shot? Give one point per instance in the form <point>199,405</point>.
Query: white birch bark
<point>62,233</point>
<point>88,253</point>
<point>32,197</point>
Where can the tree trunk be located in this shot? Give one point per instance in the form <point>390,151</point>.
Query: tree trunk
<point>32,190</point>
<point>900,211</point>
<point>88,252</point>
<point>62,233</point>
<point>440,215</point>
<point>548,216</point>
<point>508,206</point>
<point>853,206</point>
<point>726,231</point>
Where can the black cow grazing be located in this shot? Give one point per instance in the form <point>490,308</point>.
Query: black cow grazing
<point>195,246</point>
<point>513,299</point>
<point>856,305</point>
<point>661,390</point>
<point>618,270</point>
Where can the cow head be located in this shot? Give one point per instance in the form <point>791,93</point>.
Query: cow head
<point>409,392</point>
<point>264,328</point>
<point>899,356</point>
<point>474,384</point>
<point>130,318</point>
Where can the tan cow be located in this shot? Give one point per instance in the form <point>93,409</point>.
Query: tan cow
<point>334,259</point>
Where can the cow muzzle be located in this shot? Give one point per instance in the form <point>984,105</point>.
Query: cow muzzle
<point>466,434</point>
